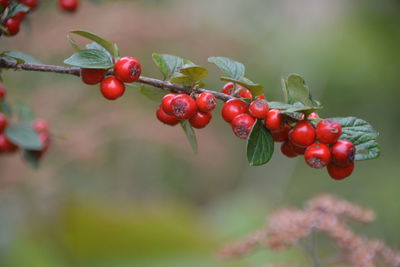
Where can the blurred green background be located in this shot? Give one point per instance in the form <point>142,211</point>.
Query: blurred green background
<point>120,189</point>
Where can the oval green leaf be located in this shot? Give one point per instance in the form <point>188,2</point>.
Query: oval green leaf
<point>21,58</point>
<point>231,68</point>
<point>297,91</point>
<point>24,136</point>
<point>260,145</point>
<point>195,73</point>
<point>167,64</point>
<point>90,59</point>
<point>101,41</point>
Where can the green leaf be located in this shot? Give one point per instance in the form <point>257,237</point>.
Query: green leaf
<point>190,134</point>
<point>31,157</point>
<point>260,145</point>
<point>231,68</point>
<point>24,136</point>
<point>73,43</point>
<point>167,64</point>
<point>21,58</point>
<point>96,46</point>
<point>300,107</point>
<point>101,41</point>
<point>14,9</point>
<point>195,73</point>
<point>90,59</point>
<point>298,91</point>
<point>256,89</point>
<point>362,135</point>
<point>279,105</point>
<point>182,79</point>
<point>24,112</point>
<point>5,108</point>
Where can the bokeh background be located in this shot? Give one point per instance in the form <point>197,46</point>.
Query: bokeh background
<point>118,188</point>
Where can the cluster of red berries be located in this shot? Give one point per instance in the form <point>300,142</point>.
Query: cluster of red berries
<point>178,107</point>
<point>40,126</point>
<point>126,70</point>
<point>12,24</point>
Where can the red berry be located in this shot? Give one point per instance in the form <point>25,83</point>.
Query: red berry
<point>183,106</point>
<point>242,125</point>
<point>281,135</point>
<point>228,88</point>
<point>166,103</point>
<point>12,26</point>
<point>165,118</point>
<point>112,88</point>
<point>313,115</point>
<point>245,93</point>
<point>127,69</point>
<point>41,126</point>
<point>93,76</point>
<point>68,5</point>
<point>288,150</point>
<point>200,119</point>
<point>232,108</point>
<point>328,131</point>
<point>32,4</point>
<point>274,120</point>
<point>299,149</point>
<point>317,155</point>
<point>262,96</point>
<point>206,102</point>
<point>2,92</point>
<point>259,108</point>
<point>3,122</point>
<point>338,172</point>
<point>303,134</point>
<point>4,3</point>
<point>6,145</point>
<point>343,153</point>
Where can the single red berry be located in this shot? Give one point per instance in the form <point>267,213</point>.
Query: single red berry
<point>287,150</point>
<point>228,88</point>
<point>166,103</point>
<point>300,150</point>
<point>245,93</point>
<point>112,88</point>
<point>328,131</point>
<point>281,135</point>
<point>242,125</point>
<point>41,126</point>
<point>200,119</point>
<point>339,172</point>
<point>313,115</point>
<point>303,134</point>
<point>274,120</point>
<point>127,69</point>
<point>93,76</point>
<point>262,96</point>
<point>32,4</point>
<point>3,92</point>
<point>183,106</point>
<point>4,3</point>
<point>259,108</point>
<point>206,102</point>
<point>68,5</point>
<point>3,122</point>
<point>12,26</point>
<point>232,108</point>
<point>6,145</point>
<point>165,118</point>
<point>20,16</point>
<point>317,155</point>
<point>343,153</point>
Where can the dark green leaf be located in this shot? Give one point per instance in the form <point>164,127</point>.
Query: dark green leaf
<point>256,89</point>
<point>231,68</point>
<point>90,59</point>
<point>101,41</point>
<point>31,157</point>
<point>24,136</point>
<point>168,64</point>
<point>260,145</point>
<point>362,135</point>
<point>21,58</point>
<point>96,46</point>
<point>195,73</point>
<point>299,107</point>
<point>298,91</point>
<point>190,134</point>
<point>279,105</point>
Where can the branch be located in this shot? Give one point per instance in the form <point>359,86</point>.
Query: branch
<point>165,85</point>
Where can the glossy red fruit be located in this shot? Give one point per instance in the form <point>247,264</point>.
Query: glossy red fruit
<point>242,124</point>
<point>200,119</point>
<point>300,150</point>
<point>343,153</point>
<point>93,76</point>
<point>3,122</point>
<point>206,102</point>
<point>228,88</point>
<point>41,126</point>
<point>165,118</point>
<point>259,108</point>
<point>313,115</point>
<point>68,5</point>
<point>4,3</point>
<point>112,88</point>
<point>245,93</point>
<point>232,108</point>
<point>317,155</point>
<point>281,135</point>
<point>127,69</point>
<point>6,145</point>
<point>328,131</point>
<point>166,103</point>
<point>3,92</point>
<point>12,26</point>
<point>287,150</point>
<point>303,134</point>
<point>339,172</point>
<point>183,106</point>
<point>32,4</point>
<point>274,120</point>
